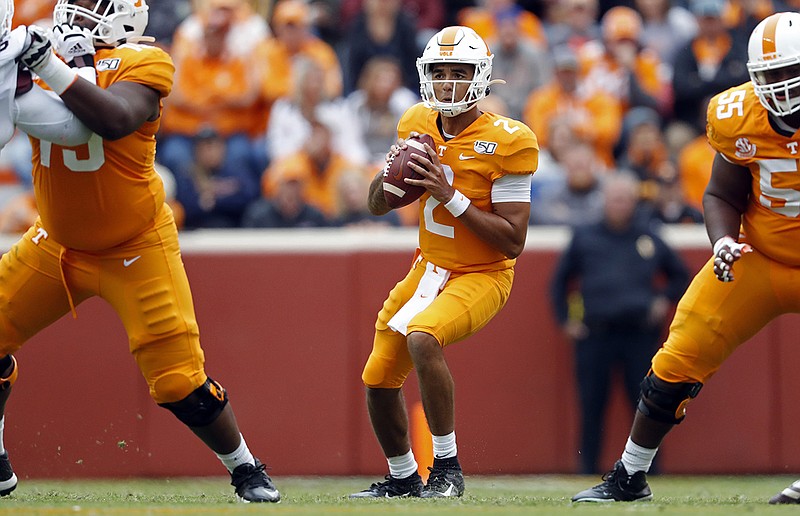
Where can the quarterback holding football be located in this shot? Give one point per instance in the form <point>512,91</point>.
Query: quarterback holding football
<point>752,217</point>
<point>473,221</point>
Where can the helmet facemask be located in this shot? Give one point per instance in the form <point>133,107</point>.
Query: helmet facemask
<point>780,96</point>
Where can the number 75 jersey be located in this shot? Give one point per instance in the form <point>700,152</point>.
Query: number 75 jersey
<point>102,193</point>
<point>491,147</point>
<point>738,127</point>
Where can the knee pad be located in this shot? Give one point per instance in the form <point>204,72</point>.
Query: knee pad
<point>202,407</point>
<point>664,401</point>
<point>11,377</point>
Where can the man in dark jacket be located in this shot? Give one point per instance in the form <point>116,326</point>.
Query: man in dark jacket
<point>627,279</point>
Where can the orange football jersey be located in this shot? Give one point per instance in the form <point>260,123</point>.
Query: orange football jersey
<point>739,129</point>
<point>491,147</point>
<point>103,193</point>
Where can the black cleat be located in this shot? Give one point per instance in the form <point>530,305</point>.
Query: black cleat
<point>393,487</point>
<point>618,486</point>
<point>789,495</point>
<point>253,484</point>
<point>444,482</point>
<point>8,480</point>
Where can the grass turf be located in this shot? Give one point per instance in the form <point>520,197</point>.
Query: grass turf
<point>530,495</point>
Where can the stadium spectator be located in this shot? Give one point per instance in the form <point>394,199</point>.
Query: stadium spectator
<point>309,103</point>
<point>217,86</point>
<point>378,103</point>
<point>620,66</point>
<point>712,62</point>
<point>382,28</point>
<point>319,162</point>
<point>750,279</point>
<point>285,208</point>
<point>484,16</point>
<point>164,18</point>
<point>624,278</point>
<point>524,65</point>
<point>578,199</point>
<point>576,24</point>
<point>28,12</point>
<point>594,117</point>
<point>643,149</point>
<point>670,206</point>
<point>352,191</point>
<point>429,15</point>
<point>694,169</point>
<point>666,27</point>
<point>294,41</point>
<point>216,192</point>
<point>560,139</point>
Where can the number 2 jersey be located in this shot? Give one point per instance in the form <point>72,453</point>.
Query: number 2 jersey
<point>491,147</point>
<point>103,193</point>
<point>738,127</point>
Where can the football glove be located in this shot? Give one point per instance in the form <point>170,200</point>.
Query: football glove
<point>72,41</point>
<point>38,49</point>
<point>726,252</point>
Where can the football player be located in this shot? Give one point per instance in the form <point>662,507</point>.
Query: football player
<point>473,224</point>
<point>752,216</point>
<point>105,230</point>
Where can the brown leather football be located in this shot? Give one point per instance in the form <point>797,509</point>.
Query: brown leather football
<point>397,192</point>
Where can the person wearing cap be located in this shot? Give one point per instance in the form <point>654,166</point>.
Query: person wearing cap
<point>294,40</point>
<point>595,118</point>
<point>619,65</point>
<point>711,62</point>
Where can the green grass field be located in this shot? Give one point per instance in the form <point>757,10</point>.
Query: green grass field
<point>530,495</point>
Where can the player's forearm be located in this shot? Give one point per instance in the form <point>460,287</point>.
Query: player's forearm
<point>721,218</point>
<point>500,233</point>
<point>111,114</point>
<point>376,202</point>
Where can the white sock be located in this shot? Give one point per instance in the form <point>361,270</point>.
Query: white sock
<point>444,446</point>
<point>402,466</point>
<point>2,427</point>
<point>637,458</point>
<point>237,457</point>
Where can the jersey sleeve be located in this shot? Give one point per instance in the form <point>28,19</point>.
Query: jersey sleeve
<point>142,64</point>
<point>730,118</point>
<point>520,151</point>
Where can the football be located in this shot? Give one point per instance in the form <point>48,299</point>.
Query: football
<point>397,192</point>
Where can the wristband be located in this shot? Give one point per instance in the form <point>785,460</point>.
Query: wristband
<point>57,75</point>
<point>458,204</point>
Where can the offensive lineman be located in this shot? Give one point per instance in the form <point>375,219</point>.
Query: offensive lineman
<point>752,214</point>
<point>473,225</point>
<point>105,230</point>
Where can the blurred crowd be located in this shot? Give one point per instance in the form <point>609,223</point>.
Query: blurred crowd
<point>282,112</point>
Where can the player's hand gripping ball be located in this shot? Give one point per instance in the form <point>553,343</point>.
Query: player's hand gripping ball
<point>397,192</point>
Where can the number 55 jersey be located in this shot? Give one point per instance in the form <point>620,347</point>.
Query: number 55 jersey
<point>738,127</point>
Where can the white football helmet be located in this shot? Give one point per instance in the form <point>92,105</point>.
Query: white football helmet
<point>455,45</point>
<point>6,17</point>
<point>774,62</point>
<point>117,21</point>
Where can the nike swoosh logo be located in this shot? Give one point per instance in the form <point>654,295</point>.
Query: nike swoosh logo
<point>127,263</point>
<point>462,157</point>
<point>449,491</point>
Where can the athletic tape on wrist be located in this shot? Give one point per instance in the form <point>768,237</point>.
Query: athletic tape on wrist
<point>57,75</point>
<point>458,204</point>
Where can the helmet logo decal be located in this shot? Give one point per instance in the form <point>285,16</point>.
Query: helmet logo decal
<point>768,40</point>
<point>448,41</point>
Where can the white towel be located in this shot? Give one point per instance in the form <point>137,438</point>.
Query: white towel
<point>430,285</point>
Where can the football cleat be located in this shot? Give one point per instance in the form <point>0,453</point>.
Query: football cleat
<point>8,480</point>
<point>444,482</point>
<point>393,487</point>
<point>253,485</point>
<point>618,486</point>
<point>789,495</point>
